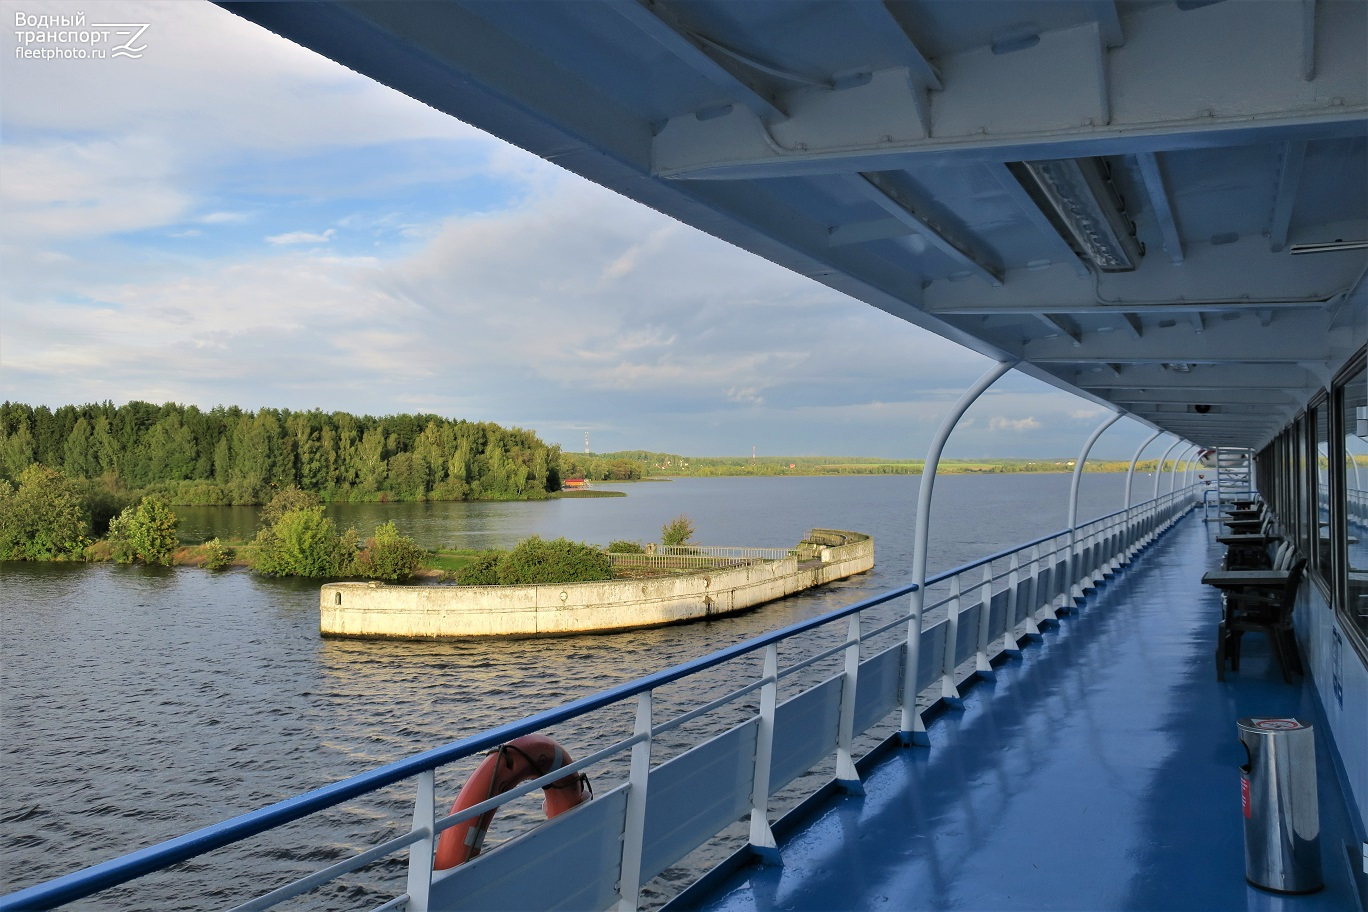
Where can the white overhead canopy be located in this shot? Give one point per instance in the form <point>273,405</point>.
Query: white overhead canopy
<point>1187,243</point>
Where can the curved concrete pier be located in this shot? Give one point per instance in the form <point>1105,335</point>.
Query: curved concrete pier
<point>421,612</point>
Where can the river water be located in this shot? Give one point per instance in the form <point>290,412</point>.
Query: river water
<point>142,703</point>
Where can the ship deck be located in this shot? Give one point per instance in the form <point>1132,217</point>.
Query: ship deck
<point>1099,771</point>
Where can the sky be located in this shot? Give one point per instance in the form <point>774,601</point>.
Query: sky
<point>226,218</point>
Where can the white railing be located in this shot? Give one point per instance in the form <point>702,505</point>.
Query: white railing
<point>725,552</point>
<point>687,562</point>
<point>599,854</point>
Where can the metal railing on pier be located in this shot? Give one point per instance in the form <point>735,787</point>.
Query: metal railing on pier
<point>601,853</point>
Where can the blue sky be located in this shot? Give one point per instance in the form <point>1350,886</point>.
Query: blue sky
<point>230,219</point>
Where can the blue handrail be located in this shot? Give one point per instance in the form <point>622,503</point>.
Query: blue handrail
<point>88,881</point>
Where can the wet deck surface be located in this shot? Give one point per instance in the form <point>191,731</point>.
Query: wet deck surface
<point>1100,771</point>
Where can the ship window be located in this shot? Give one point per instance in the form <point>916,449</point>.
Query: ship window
<point>1320,507</point>
<point>1353,407</point>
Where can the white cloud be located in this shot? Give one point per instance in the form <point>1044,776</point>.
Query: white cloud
<point>1019,425</point>
<point>301,237</point>
<point>568,308</point>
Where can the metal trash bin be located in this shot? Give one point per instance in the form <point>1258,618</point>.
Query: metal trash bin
<point>1278,791</point>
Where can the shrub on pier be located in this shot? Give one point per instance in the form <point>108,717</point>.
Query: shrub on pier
<point>387,555</point>
<point>536,560</point>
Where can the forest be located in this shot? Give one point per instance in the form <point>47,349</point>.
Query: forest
<point>228,455</point>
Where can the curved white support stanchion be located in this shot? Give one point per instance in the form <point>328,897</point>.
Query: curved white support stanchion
<point>1159,469</point>
<point>1072,588</point>
<point>1173,479</point>
<point>911,728</point>
<point>1136,540</point>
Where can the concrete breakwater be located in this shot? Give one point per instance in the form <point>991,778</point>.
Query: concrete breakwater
<point>423,612</point>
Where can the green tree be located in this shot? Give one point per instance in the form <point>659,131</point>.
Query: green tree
<point>79,459</point>
<point>285,501</point>
<point>16,450</point>
<point>43,519</point>
<point>305,542</point>
<point>677,531</point>
<point>146,532</point>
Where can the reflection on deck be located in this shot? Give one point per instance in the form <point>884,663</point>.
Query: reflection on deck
<point>1097,772</point>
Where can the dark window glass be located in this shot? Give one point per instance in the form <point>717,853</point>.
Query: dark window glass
<point>1354,399</point>
<point>1320,512</point>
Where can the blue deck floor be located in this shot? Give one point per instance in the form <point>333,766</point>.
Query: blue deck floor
<point>1100,771</point>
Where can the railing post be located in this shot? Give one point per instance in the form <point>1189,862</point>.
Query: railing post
<point>982,664</point>
<point>1009,640</point>
<point>846,775</point>
<point>1033,597</point>
<point>762,841</point>
<point>949,692</point>
<point>912,730</point>
<point>420,853</point>
<point>634,828</point>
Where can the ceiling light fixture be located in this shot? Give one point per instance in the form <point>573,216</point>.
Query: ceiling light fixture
<point>1078,197</point>
<point>1327,247</point>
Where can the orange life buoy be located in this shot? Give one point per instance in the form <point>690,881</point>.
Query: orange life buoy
<point>518,761</point>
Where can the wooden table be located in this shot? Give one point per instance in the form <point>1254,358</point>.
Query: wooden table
<point>1247,538</point>
<point>1245,579</point>
<point>1238,515</point>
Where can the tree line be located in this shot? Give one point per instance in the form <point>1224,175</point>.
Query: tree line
<point>228,455</point>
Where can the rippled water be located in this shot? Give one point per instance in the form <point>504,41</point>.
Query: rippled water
<point>142,703</point>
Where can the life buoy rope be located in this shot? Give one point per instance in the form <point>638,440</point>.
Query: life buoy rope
<point>518,761</point>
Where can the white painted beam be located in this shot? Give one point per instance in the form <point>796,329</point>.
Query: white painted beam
<point>656,21</point>
<point>879,18</point>
<point>1289,179</point>
<point>898,203</point>
<point>1183,80</point>
<point>1161,205</point>
<point>1236,277</point>
<point>1223,342</point>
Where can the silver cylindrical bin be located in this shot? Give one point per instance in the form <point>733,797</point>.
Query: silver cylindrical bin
<point>1281,819</point>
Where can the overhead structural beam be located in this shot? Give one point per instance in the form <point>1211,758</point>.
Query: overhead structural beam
<point>660,24</point>
<point>1059,249</point>
<point>1068,117</point>
<point>1161,205</point>
<point>1308,70</point>
<point>1063,324</point>
<point>881,21</point>
<point>897,203</point>
<point>864,232</point>
<point>912,729</point>
<point>1109,22</point>
<point>1284,200</point>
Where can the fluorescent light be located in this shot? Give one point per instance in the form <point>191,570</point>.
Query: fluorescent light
<point>1327,247</point>
<point>1078,197</point>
